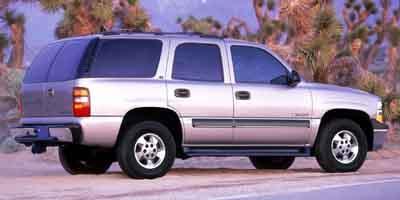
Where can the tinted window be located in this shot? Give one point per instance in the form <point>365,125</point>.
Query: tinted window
<point>126,58</point>
<point>37,71</point>
<point>254,65</point>
<point>67,61</point>
<point>198,62</point>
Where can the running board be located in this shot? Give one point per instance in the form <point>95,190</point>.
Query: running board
<point>247,151</point>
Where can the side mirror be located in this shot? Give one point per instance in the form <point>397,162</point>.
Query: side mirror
<point>294,78</point>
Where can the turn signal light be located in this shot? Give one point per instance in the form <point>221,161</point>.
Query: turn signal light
<point>379,117</point>
<point>379,113</point>
<point>81,102</point>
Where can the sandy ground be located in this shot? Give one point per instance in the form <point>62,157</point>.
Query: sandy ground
<point>24,176</point>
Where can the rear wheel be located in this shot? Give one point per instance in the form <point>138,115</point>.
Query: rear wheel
<point>270,162</point>
<point>84,160</point>
<point>341,147</point>
<point>147,150</point>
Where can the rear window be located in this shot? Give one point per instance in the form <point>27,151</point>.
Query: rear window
<point>134,58</point>
<point>37,71</point>
<point>68,60</point>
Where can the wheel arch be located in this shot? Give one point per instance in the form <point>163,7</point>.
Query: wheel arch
<point>168,117</point>
<point>358,116</point>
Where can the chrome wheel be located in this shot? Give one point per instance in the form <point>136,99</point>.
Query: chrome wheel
<point>149,151</point>
<point>344,147</point>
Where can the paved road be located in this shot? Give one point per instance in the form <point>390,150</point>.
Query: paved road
<point>388,189</point>
<point>23,176</point>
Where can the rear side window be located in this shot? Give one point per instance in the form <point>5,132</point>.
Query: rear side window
<point>198,62</point>
<point>66,64</point>
<point>134,58</point>
<point>37,71</point>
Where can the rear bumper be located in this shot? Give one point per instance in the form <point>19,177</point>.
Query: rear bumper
<point>99,131</point>
<point>380,131</point>
<point>39,136</point>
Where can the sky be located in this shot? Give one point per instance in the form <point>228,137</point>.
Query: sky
<point>164,13</point>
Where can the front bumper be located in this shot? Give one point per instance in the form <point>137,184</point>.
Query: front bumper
<point>380,130</point>
<point>42,136</point>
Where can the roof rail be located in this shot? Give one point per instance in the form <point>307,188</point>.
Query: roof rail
<point>133,31</point>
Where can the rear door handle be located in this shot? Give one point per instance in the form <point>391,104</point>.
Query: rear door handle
<point>51,92</point>
<point>242,95</point>
<point>182,93</point>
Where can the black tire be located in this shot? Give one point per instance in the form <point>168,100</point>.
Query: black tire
<point>84,160</point>
<point>323,151</point>
<point>271,162</point>
<point>126,155</point>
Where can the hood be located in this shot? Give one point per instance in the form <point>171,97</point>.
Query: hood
<point>327,97</point>
<point>333,88</point>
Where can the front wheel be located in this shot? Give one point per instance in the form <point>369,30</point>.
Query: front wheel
<point>342,146</point>
<point>147,150</point>
<point>270,162</point>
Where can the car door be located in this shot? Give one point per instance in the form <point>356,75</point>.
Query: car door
<point>267,110</point>
<point>199,90</point>
<point>58,90</point>
<point>33,95</point>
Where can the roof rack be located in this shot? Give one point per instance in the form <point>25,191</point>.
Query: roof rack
<point>134,31</point>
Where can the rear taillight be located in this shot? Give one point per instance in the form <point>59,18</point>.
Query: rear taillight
<point>81,102</point>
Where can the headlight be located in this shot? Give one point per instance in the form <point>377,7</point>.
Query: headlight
<point>379,112</point>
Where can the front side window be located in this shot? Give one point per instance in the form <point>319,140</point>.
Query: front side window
<point>133,58</point>
<point>198,62</point>
<point>255,65</point>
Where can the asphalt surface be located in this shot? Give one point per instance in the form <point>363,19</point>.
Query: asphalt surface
<point>388,189</point>
<point>23,176</point>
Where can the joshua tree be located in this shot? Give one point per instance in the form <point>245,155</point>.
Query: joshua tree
<point>83,17</point>
<point>132,15</point>
<point>3,45</point>
<point>16,25</point>
<point>356,14</point>
<point>359,35</point>
<point>236,28</point>
<point>319,52</point>
<point>393,58</point>
<point>270,27</point>
<point>207,25</point>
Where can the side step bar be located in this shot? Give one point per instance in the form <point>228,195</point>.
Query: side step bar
<point>247,151</point>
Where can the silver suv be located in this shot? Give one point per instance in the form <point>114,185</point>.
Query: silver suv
<point>144,99</point>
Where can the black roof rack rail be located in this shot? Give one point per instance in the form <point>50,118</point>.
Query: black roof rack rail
<point>133,31</point>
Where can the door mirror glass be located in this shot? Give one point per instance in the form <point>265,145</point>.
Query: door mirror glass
<point>294,78</point>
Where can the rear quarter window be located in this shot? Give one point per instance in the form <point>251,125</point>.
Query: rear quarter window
<point>38,70</point>
<point>67,62</point>
<point>136,58</point>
